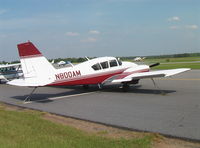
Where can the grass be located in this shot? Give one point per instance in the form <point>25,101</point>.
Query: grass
<point>171,63</point>
<point>178,65</point>
<point>166,60</point>
<point>22,129</point>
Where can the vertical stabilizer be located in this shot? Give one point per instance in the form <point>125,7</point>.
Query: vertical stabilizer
<point>34,64</point>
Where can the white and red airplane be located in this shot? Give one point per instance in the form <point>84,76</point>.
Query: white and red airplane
<point>104,70</point>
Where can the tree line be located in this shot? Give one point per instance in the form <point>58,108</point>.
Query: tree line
<point>81,59</point>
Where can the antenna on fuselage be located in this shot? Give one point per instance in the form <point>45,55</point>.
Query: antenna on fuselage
<point>87,58</point>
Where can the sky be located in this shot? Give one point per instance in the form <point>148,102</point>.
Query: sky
<point>79,28</point>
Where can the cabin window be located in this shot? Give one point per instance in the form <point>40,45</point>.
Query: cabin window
<point>113,63</point>
<point>104,65</point>
<point>96,66</point>
<point>3,69</point>
<point>119,61</point>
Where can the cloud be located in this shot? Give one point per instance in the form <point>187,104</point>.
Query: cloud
<point>174,27</point>
<point>193,27</point>
<point>174,18</point>
<point>94,32</point>
<point>72,34</point>
<point>2,11</point>
<point>89,40</point>
<point>99,14</point>
<point>189,27</point>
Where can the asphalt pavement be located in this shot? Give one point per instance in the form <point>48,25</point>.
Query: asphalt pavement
<point>172,108</point>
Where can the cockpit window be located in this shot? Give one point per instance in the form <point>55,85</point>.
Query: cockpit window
<point>96,66</point>
<point>113,63</point>
<point>119,61</point>
<point>104,65</point>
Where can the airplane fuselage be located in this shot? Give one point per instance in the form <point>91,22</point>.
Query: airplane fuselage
<point>94,71</point>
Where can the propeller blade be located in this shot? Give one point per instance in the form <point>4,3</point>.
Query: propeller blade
<point>153,65</point>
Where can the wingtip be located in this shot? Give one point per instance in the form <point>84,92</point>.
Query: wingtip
<point>185,69</point>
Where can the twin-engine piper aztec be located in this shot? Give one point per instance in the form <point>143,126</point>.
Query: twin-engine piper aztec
<point>37,71</point>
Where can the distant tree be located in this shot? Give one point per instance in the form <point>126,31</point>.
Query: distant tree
<point>167,60</point>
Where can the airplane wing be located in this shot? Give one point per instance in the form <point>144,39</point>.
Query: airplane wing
<point>10,65</point>
<point>142,75</point>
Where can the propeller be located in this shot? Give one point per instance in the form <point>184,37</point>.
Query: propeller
<point>153,65</point>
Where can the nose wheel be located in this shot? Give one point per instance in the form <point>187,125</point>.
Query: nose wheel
<point>156,86</point>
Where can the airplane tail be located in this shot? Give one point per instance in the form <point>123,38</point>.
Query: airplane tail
<point>36,68</point>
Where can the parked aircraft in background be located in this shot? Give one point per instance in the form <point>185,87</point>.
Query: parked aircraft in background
<point>64,63</point>
<point>10,71</point>
<point>138,59</point>
<point>104,70</point>
<point>61,63</point>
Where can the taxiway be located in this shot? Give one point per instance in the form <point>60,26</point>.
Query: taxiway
<point>174,111</point>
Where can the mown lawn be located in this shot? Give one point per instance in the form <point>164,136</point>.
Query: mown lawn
<point>178,65</point>
<point>27,129</point>
<point>171,63</point>
<point>166,60</point>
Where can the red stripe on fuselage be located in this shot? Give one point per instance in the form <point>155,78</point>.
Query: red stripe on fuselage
<point>94,79</point>
<point>87,79</point>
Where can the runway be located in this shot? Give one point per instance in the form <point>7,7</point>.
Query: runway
<point>173,110</point>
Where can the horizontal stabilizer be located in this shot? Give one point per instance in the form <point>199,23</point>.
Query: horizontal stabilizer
<point>32,82</point>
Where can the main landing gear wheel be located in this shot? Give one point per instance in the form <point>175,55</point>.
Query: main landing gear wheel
<point>100,86</point>
<point>125,87</point>
<point>86,86</point>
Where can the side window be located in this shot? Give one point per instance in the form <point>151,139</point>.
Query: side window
<point>96,66</point>
<point>113,63</point>
<point>119,61</point>
<point>104,64</point>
